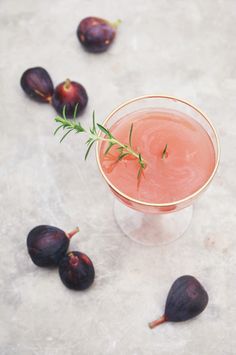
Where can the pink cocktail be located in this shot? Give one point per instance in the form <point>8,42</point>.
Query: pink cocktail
<point>180,148</point>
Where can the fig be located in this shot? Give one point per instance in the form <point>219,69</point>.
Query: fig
<point>69,95</point>
<point>37,84</point>
<point>47,244</point>
<point>76,271</point>
<point>186,299</point>
<point>96,34</point>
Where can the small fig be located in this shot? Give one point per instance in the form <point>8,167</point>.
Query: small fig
<point>186,299</point>
<point>70,95</point>
<point>37,84</point>
<point>47,244</point>
<point>76,271</point>
<point>96,34</point>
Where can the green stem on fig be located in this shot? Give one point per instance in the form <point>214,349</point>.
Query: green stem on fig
<point>116,24</point>
<point>157,322</point>
<point>72,233</point>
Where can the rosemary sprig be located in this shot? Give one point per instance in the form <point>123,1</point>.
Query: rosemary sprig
<point>94,135</point>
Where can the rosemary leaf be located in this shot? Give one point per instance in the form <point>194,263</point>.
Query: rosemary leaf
<point>75,110</point>
<point>104,130</point>
<point>130,135</point>
<point>94,123</point>
<point>89,140</point>
<point>140,170</point>
<point>108,148</point>
<point>78,128</point>
<point>66,134</point>
<point>59,119</point>
<point>64,112</point>
<point>122,156</point>
<point>143,165</point>
<point>88,150</point>
<point>57,129</point>
<point>163,156</point>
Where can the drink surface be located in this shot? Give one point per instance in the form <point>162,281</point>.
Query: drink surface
<point>188,164</point>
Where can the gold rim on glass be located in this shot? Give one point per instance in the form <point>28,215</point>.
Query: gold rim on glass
<point>217,150</point>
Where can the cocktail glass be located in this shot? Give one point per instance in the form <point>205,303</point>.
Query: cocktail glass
<point>151,223</point>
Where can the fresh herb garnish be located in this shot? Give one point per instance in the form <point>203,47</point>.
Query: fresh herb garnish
<point>94,135</point>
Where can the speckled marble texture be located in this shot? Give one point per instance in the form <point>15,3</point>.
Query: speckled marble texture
<point>182,48</point>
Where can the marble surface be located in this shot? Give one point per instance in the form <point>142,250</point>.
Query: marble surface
<point>182,48</point>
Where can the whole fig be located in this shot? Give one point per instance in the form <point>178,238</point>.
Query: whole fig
<point>37,84</point>
<point>96,34</point>
<point>186,299</point>
<point>70,95</point>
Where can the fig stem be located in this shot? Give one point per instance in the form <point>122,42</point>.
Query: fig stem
<point>74,260</point>
<point>157,322</point>
<point>67,84</point>
<point>116,23</point>
<point>72,233</point>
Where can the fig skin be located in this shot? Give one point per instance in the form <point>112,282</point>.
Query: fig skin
<point>76,271</point>
<point>37,84</point>
<point>96,34</point>
<point>47,244</point>
<point>72,96</point>
<point>186,299</point>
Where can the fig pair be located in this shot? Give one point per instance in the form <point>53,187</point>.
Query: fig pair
<point>69,95</point>
<point>48,245</point>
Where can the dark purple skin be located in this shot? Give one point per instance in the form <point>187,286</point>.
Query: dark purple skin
<point>37,84</point>
<point>47,245</point>
<point>186,299</point>
<point>76,271</point>
<point>71,95</point>
<point>95,34</point>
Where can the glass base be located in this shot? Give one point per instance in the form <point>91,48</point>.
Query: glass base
<point>152,229</point>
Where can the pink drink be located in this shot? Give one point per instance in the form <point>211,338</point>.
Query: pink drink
<point>189,162</point>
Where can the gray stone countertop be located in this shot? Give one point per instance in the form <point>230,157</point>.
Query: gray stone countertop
<point>181,48</point>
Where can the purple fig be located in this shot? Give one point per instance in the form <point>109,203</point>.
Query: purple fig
<point>47,244</point>
<point>186,299</point>
<point>76,271</point>
<point>70,95</point>
<point>96,34</point>
<point>37,84</point>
